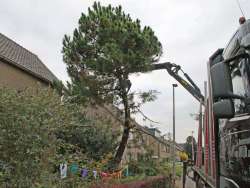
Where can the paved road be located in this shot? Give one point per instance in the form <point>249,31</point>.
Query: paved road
<point>189,183</point>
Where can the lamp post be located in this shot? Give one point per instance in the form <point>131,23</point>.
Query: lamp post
<point>173,150</point>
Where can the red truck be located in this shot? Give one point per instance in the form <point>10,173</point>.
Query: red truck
<point>223,152</point>
<point>226,122</point>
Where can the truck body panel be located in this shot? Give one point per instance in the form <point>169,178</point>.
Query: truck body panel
<point>226,148</point>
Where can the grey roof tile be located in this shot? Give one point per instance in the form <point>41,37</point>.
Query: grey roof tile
<point>24,59</point>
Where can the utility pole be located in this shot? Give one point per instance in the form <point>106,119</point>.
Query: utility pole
<point>173,150</point>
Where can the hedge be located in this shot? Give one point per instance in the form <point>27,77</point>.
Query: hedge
<point>152,182</point>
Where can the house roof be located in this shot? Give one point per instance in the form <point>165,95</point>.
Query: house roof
<point>22,58</point>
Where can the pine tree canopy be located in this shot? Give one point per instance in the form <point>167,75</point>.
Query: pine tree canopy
<point>106,47</point>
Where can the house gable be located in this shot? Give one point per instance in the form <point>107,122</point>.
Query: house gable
<point>25,61</point>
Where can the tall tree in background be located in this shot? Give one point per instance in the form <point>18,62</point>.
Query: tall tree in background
<point>105,49</point>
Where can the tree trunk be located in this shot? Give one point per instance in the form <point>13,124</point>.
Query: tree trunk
<point>125,135</point>
<point>122,146</point>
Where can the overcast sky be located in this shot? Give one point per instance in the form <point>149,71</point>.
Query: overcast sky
<point>190,31</point>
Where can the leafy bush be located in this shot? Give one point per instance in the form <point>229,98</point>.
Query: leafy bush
<point>27,142</point>
<point>153,182</point>
<point>38,132</point>
<point>148,167</point>
<point>165,168</point>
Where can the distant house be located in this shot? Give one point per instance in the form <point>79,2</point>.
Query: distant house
<point>20,68</point>
<point>154,131</point>
<point>142,140</point>
<point>147,140</point>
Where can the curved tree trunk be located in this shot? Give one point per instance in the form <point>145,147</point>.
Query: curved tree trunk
<point>126,131</point>
<point>122,146</point>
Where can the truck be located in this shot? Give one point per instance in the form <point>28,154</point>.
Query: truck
<point>226,122</point>
<point>223,147</point>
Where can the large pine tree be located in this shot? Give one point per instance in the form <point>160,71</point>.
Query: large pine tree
<point>104,50</point>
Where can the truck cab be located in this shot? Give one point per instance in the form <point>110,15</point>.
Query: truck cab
<point>229,75</point>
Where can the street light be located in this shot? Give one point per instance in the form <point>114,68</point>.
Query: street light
<point>173,154</point>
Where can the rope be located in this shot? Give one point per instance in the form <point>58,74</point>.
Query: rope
<point>238,2</point>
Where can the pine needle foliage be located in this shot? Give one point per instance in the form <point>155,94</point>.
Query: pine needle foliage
<point>107,47</point>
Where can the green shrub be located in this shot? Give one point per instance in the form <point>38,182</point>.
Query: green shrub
<point>27,142</point>
<point>151,167</point>
<point>38,132</point>
<point>148,167</point>
<point>165,168</point>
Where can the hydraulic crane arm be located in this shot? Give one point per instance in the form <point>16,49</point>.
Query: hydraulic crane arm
<point>189,85</point>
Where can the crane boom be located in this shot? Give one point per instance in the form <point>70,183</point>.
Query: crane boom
<point>189,85</point>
